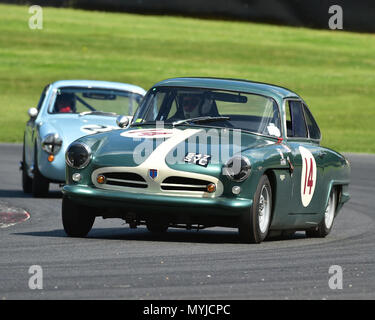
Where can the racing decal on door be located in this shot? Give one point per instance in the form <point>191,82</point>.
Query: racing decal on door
<point>308,176</point>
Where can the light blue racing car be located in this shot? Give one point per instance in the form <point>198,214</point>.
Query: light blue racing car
<point>68,110</point>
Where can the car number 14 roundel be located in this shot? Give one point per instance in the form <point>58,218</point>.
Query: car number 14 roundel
<point>308,176</point>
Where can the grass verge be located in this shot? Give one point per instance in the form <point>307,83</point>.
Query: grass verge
<point>332,70</point>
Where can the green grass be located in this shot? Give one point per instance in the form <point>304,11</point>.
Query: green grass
<point>333,71</point>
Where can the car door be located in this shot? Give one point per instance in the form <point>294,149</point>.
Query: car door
<point>308,165</point>
<point>320,154</point>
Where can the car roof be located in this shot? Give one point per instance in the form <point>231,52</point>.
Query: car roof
<point>231,85</point>
<point>99,84</point>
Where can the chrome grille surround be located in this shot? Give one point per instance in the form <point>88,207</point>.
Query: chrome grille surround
<point>182,183</point>
<point>168,182</point>
<point>125,179</point>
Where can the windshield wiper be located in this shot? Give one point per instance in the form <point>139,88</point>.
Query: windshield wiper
<point>84,113</point>
<point>136,124</point>
<point>200,119</point>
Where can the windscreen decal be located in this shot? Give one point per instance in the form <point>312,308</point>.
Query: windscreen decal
<point>273,130</point>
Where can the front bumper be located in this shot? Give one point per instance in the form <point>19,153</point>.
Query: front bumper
<point>140,203</point>
<point>53,171</point>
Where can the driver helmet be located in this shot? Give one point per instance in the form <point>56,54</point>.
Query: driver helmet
<point>65,103</point>
<point>190,105</point>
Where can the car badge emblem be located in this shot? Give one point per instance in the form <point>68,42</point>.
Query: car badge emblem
<point>153,173</point>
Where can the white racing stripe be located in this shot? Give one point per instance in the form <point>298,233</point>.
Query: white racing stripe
<point>158,156</point>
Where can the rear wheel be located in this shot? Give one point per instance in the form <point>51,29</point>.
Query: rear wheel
<point>254,224</point>
<point>40,185</point>
<point>77,219</point>
<point>325,227</point>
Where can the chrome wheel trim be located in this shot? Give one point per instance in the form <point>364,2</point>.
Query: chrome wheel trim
<point>264,210</point>
<point>329,215</point>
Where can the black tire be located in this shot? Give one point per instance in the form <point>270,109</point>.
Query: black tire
<point>322,230</point>
<point>76,219</point>
<point>157,227</point>
<point>40,185</point>
<point>27,182</point>
<point>249,229</point>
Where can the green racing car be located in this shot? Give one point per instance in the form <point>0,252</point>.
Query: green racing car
<point>206,152</point>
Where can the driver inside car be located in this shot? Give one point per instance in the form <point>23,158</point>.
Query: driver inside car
<point>190,106</point>
<point>194,106</point>
<point>65,103</point>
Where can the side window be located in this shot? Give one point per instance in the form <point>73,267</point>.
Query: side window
<point>295,121</point>
<point>289,130</point>
<point>42,97</point>
<point>311,124</point>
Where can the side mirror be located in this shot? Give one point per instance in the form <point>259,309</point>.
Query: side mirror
<point>122,121</point>
<point>32,112</point>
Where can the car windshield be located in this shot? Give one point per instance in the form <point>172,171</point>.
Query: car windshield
<point>208,107</point>
<point>95,101</point>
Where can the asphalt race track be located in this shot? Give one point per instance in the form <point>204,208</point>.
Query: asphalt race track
<point>115,262</point>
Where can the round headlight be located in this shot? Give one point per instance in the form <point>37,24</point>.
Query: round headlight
<point>237,168</point>
<point>78,155</point>
<point>51,143</point>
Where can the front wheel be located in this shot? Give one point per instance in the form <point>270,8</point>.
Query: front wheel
<point>77,220</point>
<point>40,185</point>
<point>27,182</point>
<point>325,227</point>
<point>254,224</point>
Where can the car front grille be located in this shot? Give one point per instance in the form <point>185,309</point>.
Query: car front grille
<point>138,180</point>
<point>125,179</point>
<point>184,184</point>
